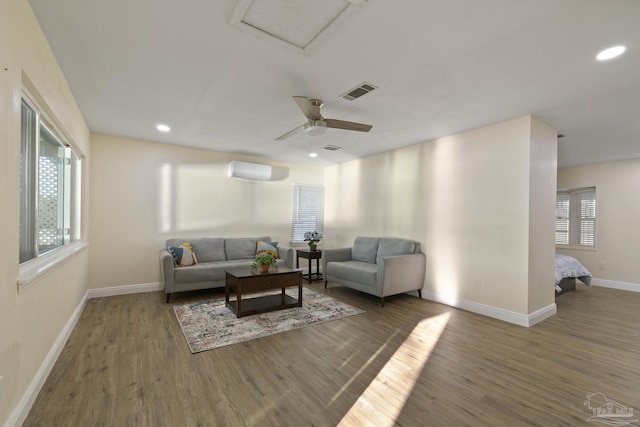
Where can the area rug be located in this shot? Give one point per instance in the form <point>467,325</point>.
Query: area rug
<point>210,324</point>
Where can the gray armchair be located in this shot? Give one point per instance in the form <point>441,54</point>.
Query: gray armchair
<point>379,266</point>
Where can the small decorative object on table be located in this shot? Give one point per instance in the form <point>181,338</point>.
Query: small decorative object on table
<point>264,261</point>
<point>313,237</point>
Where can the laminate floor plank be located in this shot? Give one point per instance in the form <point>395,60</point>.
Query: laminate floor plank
<point>412,363</point>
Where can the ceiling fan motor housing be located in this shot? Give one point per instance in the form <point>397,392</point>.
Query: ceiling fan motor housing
<point>315,127</point>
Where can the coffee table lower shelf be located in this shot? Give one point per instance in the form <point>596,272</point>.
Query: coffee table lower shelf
<point>263,304</point>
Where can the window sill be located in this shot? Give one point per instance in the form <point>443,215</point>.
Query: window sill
<point>577,248</point>
<point>34,269</point>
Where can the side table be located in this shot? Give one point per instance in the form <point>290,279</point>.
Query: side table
<point>310,255</point>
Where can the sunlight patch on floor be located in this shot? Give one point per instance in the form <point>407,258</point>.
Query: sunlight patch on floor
<point>362,368</point>
<point>387,394</point>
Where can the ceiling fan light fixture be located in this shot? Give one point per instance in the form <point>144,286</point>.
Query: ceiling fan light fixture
<point>317,125</point>
<point>315,128</point>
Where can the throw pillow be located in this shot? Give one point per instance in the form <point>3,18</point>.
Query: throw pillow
<point>267,247</point>
<point>183,255</point>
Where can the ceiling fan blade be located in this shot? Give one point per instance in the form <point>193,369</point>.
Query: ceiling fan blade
<point>341,124</point>
<point>309,109</point>
<point>291,132</point>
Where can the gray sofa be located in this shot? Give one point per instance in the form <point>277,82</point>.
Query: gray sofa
<point>214,256</point>
<point>380,266</point>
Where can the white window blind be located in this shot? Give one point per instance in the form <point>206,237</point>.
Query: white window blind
<point>576,217</point>
<point>308,211</point>
<point>562,219</point>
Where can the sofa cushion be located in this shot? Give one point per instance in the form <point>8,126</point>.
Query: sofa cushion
<point>183,255</point>
<point>240,248</point>
<point>391,246</point>
<point>196,273</point>
<point>212,271</point>
<point>353,271</point>
<point>365,249</point>
<point>207,249</point>
<point>264,247</point>
<point>207,271</point>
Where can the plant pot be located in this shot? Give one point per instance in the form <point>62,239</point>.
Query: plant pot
<point>265,268</point>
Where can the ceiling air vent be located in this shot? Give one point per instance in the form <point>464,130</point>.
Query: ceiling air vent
<point>357,92</point>
<point>332,148</point>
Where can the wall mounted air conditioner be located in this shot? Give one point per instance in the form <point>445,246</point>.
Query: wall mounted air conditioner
<point>249,171</point>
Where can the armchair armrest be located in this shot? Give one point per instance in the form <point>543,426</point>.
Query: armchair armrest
<point>287,255</point>
<point>166,269</point>
<point>403,273</point>
<point>340,254</point>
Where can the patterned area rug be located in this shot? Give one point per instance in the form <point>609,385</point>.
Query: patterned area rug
<point>210,324</point>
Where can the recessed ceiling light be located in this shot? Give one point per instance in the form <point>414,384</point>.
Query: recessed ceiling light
<point>313,154</point>
<point>610,53</point>
<point>163,128</point>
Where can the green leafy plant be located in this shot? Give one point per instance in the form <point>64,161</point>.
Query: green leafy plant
<point>265,258</point>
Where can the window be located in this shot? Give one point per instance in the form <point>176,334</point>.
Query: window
<point>576,217</point>
<point>49,187</point>
<point>308,211</point>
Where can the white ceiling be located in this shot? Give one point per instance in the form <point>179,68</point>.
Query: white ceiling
<point>441,67</point>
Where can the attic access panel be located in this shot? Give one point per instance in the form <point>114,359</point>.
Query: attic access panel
<point>296,24</point>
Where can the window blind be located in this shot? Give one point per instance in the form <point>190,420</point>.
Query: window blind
<point>308,211</point>
<point>585,217</point>
<point>562,219</point>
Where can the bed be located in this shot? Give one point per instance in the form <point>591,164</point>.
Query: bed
<point>568,269</point>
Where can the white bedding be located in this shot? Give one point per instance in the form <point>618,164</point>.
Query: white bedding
<point>567,266</point>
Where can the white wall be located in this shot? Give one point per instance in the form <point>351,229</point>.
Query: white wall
<point>468,198</point>
<point>144,193</point>
<point>542,201</point>
<point>617,231</point>
<point>31,321</point>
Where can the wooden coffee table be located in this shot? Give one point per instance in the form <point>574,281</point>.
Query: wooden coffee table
<point>242,281</point>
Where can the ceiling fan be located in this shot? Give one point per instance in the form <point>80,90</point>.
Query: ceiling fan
<point>316,124</point>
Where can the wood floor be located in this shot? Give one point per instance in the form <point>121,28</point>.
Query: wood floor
<point>411,363</point>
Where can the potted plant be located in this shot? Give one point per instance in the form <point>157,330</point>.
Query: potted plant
<point>313,237</point>
<point>264,261</point>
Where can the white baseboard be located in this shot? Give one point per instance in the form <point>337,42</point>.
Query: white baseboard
<point>624,286</point>
<point>541,314</point>
<point>21,411</point>
<point>19,414</point>
<point>519,319</point>
<point>125,290</point>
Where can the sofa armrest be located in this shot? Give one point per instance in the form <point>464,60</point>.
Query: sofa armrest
<point>330,255</point>
<point>403,273</point>
<point>166,269</point>
<point>287,255</point>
